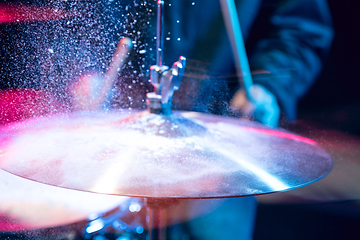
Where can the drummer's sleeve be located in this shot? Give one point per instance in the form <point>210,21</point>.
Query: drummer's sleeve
<point>294,51</point>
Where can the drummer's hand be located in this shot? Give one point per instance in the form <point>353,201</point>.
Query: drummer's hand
<point>263,105</point>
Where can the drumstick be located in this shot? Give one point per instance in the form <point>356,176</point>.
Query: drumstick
<point>237,42</point>
<point>117,61</point>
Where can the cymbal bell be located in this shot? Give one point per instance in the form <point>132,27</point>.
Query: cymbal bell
<point>13,13</point>
<point>184,155</point>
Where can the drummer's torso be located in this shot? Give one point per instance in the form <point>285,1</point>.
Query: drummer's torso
<point>196,29</point>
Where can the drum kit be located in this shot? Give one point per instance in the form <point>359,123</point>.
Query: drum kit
<point>157,156</point>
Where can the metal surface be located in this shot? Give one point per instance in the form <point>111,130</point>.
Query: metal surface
<point>342,183</point>
<point>159,32</point>
<point>160,101</point>
<point>184,155</point>
<point>28,205</point>
<point>171,80</point>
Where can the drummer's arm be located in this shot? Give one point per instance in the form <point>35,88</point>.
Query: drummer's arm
<point>293,54</point>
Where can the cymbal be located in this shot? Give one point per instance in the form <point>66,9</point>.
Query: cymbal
<point>184,155</point>
<point>28,205</point>
<point>12,13</point>
<point>341,184</point>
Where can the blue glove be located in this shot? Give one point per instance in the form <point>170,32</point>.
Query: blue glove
<point>263,105</point>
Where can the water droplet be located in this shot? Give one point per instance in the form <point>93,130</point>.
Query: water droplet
<point>167,38</point>
<point>179,39</point>
<point>135,207</point>
<point>139,230</point>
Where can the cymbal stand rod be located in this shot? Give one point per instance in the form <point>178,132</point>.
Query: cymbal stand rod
<point>159,32</point>
<point>155,219</point>
<point>164,80</point>
<point>233,28</point>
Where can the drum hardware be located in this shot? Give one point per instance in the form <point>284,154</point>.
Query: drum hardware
<point>114,220</point>
<point>164,80</point>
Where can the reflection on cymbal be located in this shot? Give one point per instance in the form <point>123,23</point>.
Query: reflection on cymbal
<point>184,155</point>
<point>342,183</point>
<point>13,13</point>
<point>27,205</point>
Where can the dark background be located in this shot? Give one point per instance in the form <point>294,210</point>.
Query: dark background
<point>334,101</point>
<point>338,87</point>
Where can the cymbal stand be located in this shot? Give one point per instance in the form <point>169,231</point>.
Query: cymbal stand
<point>165,82</point>
<point>159,32</point>
<point>156,216</point>
<point>123,220</point>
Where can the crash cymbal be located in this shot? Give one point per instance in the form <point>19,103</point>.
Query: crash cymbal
<point>184,155</point>
<point>342,183</point>
<point>12,13</point>
<point>28,205</point>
